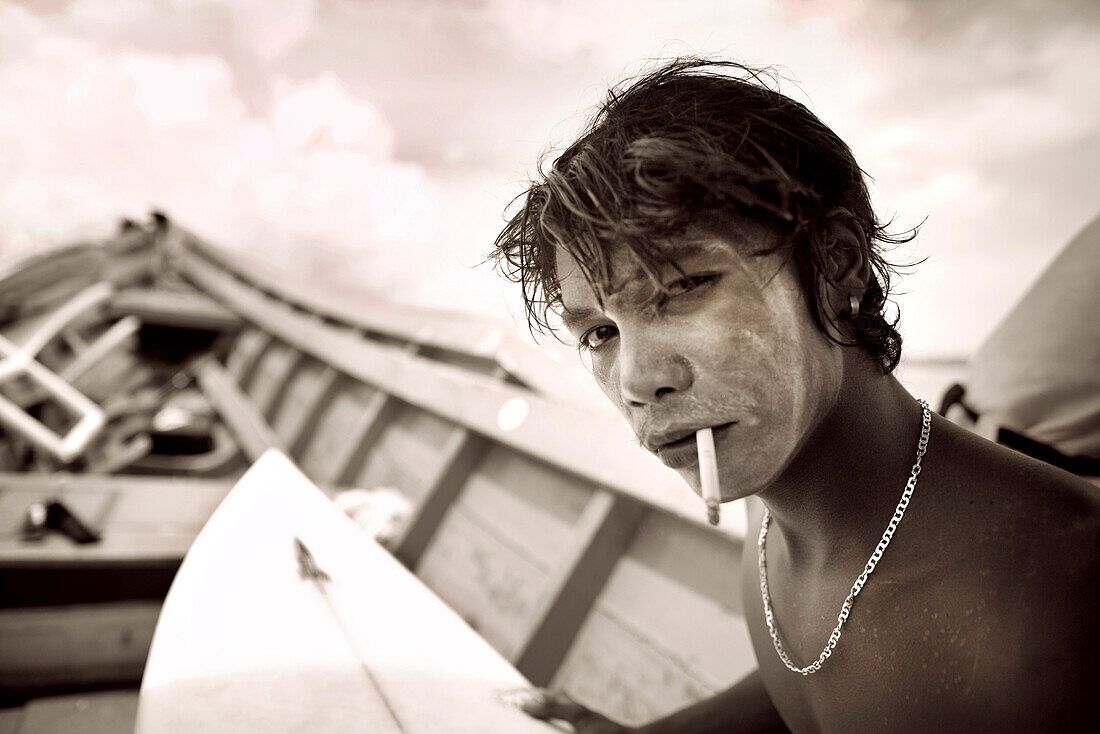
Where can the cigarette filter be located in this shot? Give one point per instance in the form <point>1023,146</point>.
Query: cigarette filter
<point>708,473</point>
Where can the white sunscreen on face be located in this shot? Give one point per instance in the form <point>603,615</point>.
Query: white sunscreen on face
<point>708,472</point>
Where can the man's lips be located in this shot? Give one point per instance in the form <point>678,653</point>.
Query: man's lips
<point>677,448</point>
<point>666,439</point>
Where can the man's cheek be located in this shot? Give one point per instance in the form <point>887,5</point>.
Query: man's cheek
<point>608,381</point>
<point>747,364</point>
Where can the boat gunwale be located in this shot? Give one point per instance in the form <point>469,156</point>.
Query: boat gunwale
<point>463,335</point>
<point>467,399</point>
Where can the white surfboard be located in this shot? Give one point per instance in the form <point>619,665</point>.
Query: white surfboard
<point>246,644</point>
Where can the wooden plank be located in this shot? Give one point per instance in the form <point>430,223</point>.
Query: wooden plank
<point>526,504</point>
<point>270,375</point>
<point>142,518</point>
<point>86,304</point>
<point>497,549</point>
<point>379,413</point>
<point>187,309</point>
<point>75,644</point>
<point>463,334</point>
<point>105,712</point>
<point>117,335</point>
<point>89,506</point>
<point>469,362</point>
<point>496,587</point>
<point>73,339</point>
<point>702,635</point>
<point>64,482</point>
<point>671,610</point>
<point>11,720</point>
<point>599,446</point>
<point>328,438</point>
<point>608,670</point>
<point>407,456</point>
<point>368,428</point>
<point>128,271</point>
<point>43,281</point>
<point>479,342</point>
<point>602,534</point>
<point>461,453</point>
<point>705,563</point>
<point>248,347</point>
<point>283,378</point>
<point>240,415</point>
<point>307,399</point>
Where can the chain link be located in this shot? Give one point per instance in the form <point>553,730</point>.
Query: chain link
<point>769,617</point>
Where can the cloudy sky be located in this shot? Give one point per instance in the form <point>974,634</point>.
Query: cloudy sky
<point>382,139</point>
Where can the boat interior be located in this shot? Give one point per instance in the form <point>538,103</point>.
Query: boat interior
<point>140,377</point>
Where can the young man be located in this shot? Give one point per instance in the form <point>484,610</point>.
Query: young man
<point>711,246</point>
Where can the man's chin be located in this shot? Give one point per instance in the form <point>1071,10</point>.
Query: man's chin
<point>748,479</point>
<point>690,475</point>
<point>730,491</point>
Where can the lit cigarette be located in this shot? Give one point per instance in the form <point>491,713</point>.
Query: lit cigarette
<point>708,472</point>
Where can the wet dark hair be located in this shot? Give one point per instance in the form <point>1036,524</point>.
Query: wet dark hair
<point>700,143</point>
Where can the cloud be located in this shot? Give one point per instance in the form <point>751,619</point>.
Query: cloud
<point>383,139</point>
<point>94,130</point>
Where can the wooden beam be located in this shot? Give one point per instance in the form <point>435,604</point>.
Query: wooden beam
<point>603,531</point>
<point>245,355</point>
<point>245,421</point>
<point>598,446</point>
<point>110,710</point>
<point>87,356</point>
<point>353,305</point>
<point>372,422</point>
<point>60,482</point>
<point>142,519</point>
<point>75,644</point>
<point>307,421</point>
<point>319,398</point>
<point>193,310</point>
<point>460,455</point>
<point>279,379</point>
<point>73,339</point>
<point>446,332</point>
<point>81,306</point>
<point>380,411</point>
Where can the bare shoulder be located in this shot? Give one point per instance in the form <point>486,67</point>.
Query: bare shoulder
<point>1026,542</point>
<point>1003,495</point>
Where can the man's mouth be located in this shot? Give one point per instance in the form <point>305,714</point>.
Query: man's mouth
<point>677,449</point>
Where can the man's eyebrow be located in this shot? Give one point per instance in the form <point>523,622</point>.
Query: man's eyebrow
<point>673,252</point>
<point>689,249</point>
<point>571,318</point>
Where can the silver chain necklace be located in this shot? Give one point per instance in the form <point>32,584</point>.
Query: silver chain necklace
<point>922,446</point>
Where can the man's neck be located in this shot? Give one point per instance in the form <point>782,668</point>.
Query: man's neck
<point>839,493</point>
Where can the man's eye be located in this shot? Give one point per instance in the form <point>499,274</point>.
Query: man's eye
<point>596,337</point>
<point>690,283</point>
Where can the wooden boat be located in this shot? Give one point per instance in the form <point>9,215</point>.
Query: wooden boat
<point>140,377</point>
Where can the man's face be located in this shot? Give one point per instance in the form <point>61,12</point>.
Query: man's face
<point>734,348</point>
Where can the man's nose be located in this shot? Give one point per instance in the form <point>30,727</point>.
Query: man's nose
<point>650,371</point>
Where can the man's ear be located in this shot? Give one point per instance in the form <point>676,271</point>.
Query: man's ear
<point>848,269</point>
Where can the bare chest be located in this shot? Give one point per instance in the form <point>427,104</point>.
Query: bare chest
<point>908,648</point>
